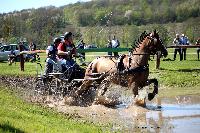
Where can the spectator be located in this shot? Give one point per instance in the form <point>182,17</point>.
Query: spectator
<point>177,42</point>
<point>198,49</point>
<point>184,41</point>
<point>81,45</point>
<point>32,47</point>
<point>11,57</point>
<point>115,44</point>
<point>109,45</point>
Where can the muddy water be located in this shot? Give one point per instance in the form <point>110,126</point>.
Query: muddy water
<point>176,114</point>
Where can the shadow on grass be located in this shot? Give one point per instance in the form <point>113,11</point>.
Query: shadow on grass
<point>169,59</point>
<point>4,62</point>
<point>182,70</point>
<point>9,128</point>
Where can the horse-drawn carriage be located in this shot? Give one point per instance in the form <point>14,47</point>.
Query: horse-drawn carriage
<point>92,83</point>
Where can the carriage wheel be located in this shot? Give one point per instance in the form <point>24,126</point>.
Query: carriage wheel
<point>40,87</point>
<point>48,68</point>
<point>53,86</point>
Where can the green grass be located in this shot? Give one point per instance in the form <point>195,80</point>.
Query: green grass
<point>172,73</point>
<point>31,68</point>
<point>178,73</point>
<point>178,91</point>
<point>18,116</point>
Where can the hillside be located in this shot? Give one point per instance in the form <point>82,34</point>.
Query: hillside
<point>126,18</point>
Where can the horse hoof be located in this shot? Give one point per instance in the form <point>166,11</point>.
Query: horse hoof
<point>150,96</point>
<point>69,101</point>
<point>140,102</point>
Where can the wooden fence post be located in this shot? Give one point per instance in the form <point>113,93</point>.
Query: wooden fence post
<point>21,56</point>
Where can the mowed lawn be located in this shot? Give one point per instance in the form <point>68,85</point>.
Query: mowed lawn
<point>185,73</point>
<point>172,73</point>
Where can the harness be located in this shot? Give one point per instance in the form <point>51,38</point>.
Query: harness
<point>122,70</point>
<point>135,70</point>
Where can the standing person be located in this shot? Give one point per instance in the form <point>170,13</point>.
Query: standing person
<point>184,41</point>
<point>51,52</point>
<point>115,44</point>
<point>177,42</point>
<point>11,57</point>
<point>109,45</point>
<point>81,45</point>
<point>198,49</point>
<point>32,47</point>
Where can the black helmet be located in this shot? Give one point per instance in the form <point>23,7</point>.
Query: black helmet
<point>67,35</point>
<point>57,40</point>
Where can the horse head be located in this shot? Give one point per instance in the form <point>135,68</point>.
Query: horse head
<point>150,43</point>
<point>156,44</point>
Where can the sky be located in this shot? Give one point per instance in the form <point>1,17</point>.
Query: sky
<point>12,5</point>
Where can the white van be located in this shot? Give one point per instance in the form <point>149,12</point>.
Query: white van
<point>5,50</point>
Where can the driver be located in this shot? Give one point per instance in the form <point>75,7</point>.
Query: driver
<point>66,51</point>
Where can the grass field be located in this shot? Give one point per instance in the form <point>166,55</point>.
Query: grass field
<point>172,73</point>
<point>19,116</point>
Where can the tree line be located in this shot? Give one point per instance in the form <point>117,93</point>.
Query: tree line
<point>98,19</point>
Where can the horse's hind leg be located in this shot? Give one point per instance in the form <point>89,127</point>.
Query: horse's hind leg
<point>103,96</point>
<point>83,87</point>
<point>103,87</point>
<point>155,91</point>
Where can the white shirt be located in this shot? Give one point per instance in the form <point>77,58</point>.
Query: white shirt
<point>114,43</point>
<point>176,42</point>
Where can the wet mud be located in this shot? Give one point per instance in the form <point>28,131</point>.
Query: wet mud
<point>177,114</point>
<point>166,114</point>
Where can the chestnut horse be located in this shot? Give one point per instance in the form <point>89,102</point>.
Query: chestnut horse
<point>130,70</point>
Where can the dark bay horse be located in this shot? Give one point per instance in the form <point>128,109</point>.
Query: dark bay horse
<point>130,70</point>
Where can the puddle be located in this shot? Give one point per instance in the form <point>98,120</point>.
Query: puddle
<point>174,114</point>
<point>178,114</point>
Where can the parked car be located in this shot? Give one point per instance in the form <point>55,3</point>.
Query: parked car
<point>6,50</point>
<point>91,46</point>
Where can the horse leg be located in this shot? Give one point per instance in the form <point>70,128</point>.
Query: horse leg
<point>83,87</point>
<point>138,101</point>
<point>155,91</point>
<point>103,87</point>
<point>101,95</point>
